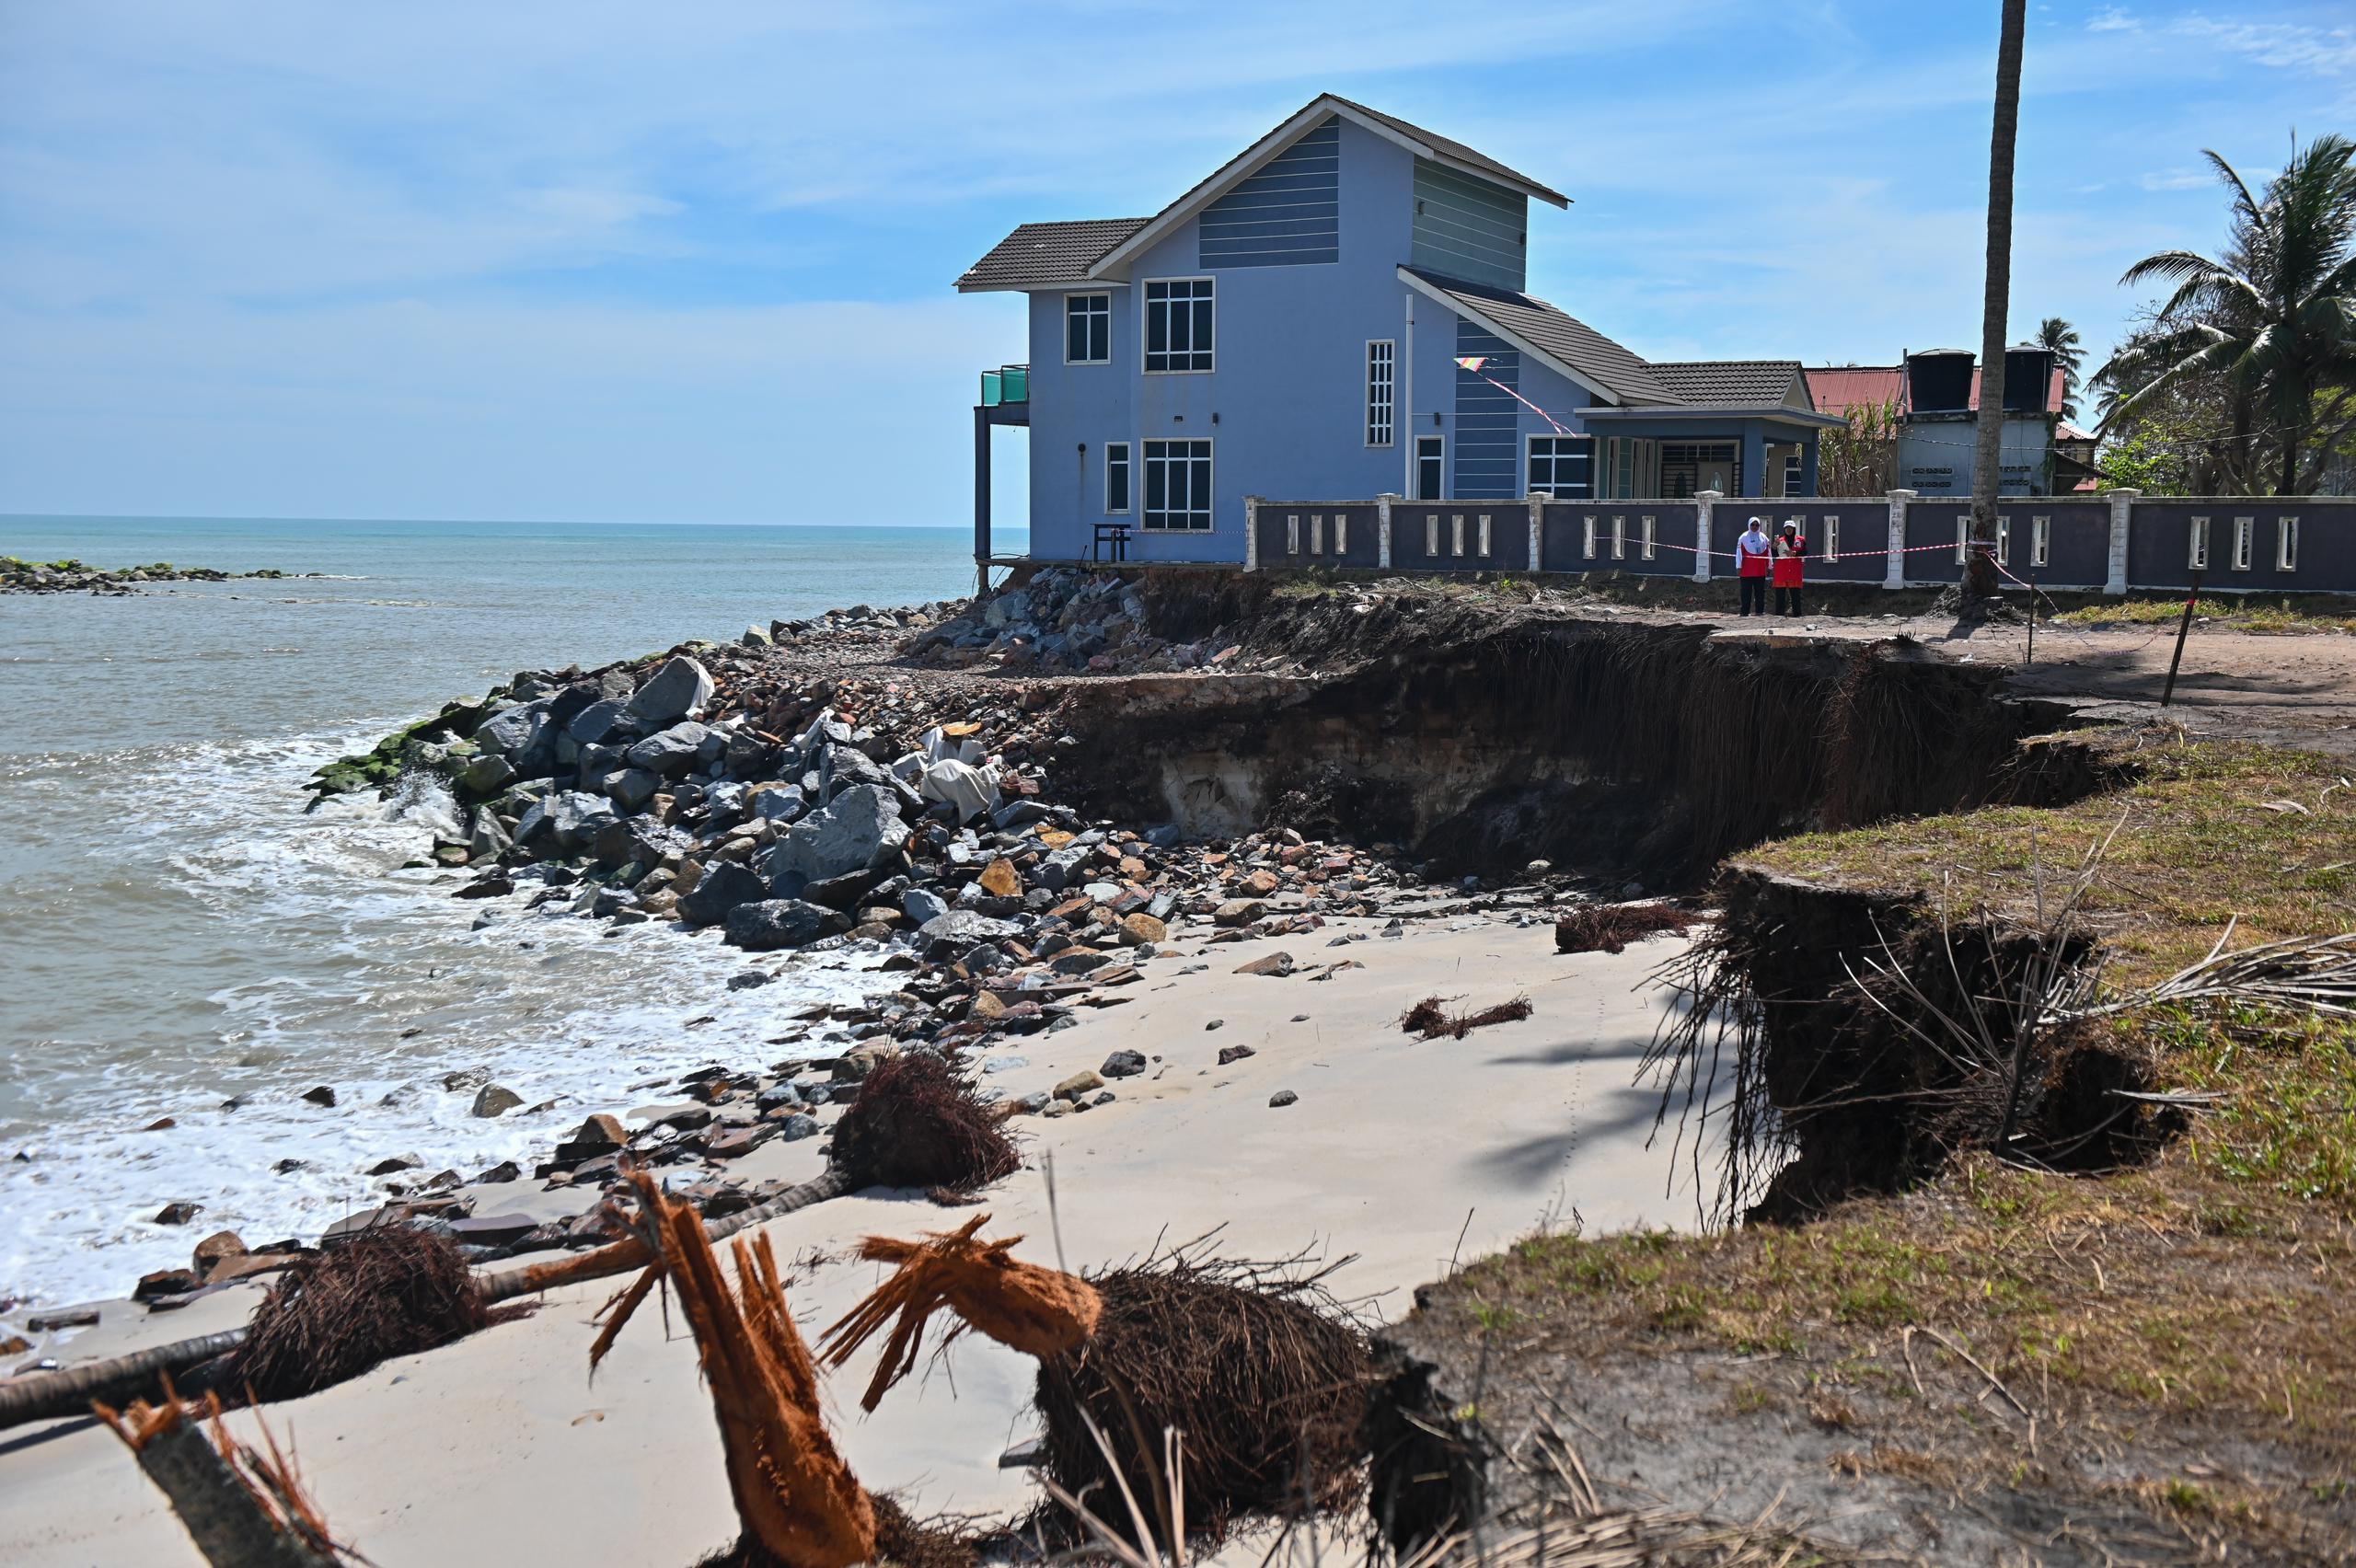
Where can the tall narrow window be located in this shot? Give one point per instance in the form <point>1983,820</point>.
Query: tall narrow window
<point>1586,535</point>
<point>1178,485</point>
<point>1456,534</point>
<point>1644,537</point>
<point>2004,540</point>
<point>1088,329</point>
<point>1431,533</point>
<point>2286,543</point>
<point>1180,332</point>
<point>2244,530</point>
<point>2040,540</point>
<point>1483,548</point>
<point>1382,360</point>
<point>1292,532</point>
<point>1562,465</point>
<point>1116,476</point>
<point>1963,538</point>
<point>1431,464</point>
<point>1619,536</point>
<point>2197,551</point>
<point>1316,533</point>
<point>1341,532</point>
<point>1831,535</point>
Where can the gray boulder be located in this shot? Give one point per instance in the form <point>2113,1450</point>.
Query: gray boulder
<point>575,817</point>
<point>725,885</point>
<point>596,722</point>
<point>514,731</point>
<point>672,752</point>
<point>489,840</point>
<point>487,773</point>
<point>774,923</point>
<point>841,767</point>
<point>854,831</point>
<point>680,687</point>
<point>783,803</point>
<point>632,787</point>
<point>922,904</point>
<point>945,936</point>
<point>1057,870</point>
<point>495,1100</point>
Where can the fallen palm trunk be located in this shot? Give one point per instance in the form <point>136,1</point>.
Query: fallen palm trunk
<point>1266,1385</point>
<point>243,1508</point>
<point>797,1499</point>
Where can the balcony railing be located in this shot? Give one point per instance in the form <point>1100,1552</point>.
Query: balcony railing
<point>1008,384</point>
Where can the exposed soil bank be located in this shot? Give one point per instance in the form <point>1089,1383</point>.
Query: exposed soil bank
<point>1479,741</point>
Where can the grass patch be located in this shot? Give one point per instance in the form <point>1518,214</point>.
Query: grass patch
<point>2290,614</point>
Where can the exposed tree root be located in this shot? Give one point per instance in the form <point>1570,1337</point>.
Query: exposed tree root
<point>1610,927</point>
<point>1430,1019</point>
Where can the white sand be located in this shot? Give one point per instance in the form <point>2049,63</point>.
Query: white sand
<point>498,1450</point>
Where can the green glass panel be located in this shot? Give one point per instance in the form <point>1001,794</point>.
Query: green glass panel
<point>1018,383</point>
<point>991,396</point>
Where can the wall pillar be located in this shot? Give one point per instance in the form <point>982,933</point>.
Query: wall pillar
<point>1894,574</point>
<point>2122,517</point>
<point>1705,504</point>
<point>1538,500</point>
<point>1251,532</point>
<point>982,497</point>
<point>1754,459</point>
<point>1382,529</point>
<point>1808,453</point>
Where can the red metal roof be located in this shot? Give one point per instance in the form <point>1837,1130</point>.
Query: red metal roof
<point>1837,388</point>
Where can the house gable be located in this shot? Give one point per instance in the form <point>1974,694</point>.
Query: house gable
<point>1288,215</point>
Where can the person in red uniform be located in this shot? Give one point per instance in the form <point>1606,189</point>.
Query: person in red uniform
<point>1750,553</point>
<point>1791,551</point>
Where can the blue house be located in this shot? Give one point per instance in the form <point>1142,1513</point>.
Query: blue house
<point>1342,312</point>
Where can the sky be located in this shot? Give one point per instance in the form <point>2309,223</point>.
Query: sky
<point>605,261</point>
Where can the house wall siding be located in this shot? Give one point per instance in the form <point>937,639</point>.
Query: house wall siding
<point>1288,215</point>
<point>1487,462</point>
<point>1468,228</point>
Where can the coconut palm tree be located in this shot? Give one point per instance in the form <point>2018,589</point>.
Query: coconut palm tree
<point>2059,338</point>
<point>2274,319</point>
<point>1979,573</point>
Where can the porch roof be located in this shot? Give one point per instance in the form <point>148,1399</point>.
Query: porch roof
<point>1687,413</point>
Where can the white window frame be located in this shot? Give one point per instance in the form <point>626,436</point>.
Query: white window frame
<point>1440,456</point>
<point>1209,511</point>
<point>1096,294</point>
<point>2040,540</point>
<point>1145,327</point>
<point>2286,543</point>
<point>2245,542</point>
<point>1644,532</point>
<point>1530,485</point>
<point>1381,392</point>
<point>1831,535</point>
<point>2195,556</point>
<point>1128,473</point>
<point>1587,533</point>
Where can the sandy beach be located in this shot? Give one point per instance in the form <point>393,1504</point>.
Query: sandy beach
<point>1398,1153</point>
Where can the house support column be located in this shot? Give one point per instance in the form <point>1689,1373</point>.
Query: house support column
<point>1538,530</point>
<point>1705,504</point>
<point>1894,568</point>
<point>1808,455</point>
<point>982,499</point>
<point>2122,517</point>
<point>1382,529</point>
<point>1754,459</point>
<point>1251,532</point>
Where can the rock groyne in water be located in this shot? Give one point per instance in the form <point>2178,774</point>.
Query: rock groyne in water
<point>70,576</point>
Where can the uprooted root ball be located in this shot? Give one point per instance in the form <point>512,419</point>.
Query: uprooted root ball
<point>1267,1381</point>
<point>918,1123</point>
<point>1430,1019</point>
<point>900,1541</point>
<point>1610,927</point>
<point>390,1291</point>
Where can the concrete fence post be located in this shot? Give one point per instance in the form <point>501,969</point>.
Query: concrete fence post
<point>2122,517</point>
<point>1705,503</point>
<point>1894,569</point>
<point>1251,532</point>
<point>1382,529</point>
<point>1538,500</point>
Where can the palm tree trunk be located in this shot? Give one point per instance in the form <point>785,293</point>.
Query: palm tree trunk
<point>1987,457</point>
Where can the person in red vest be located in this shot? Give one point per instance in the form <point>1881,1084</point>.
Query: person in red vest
<point>1750,553</point>
<point>1791,551</point>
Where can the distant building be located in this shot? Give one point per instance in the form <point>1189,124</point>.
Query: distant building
<point>1937,396</point>
<point>1339,311</point>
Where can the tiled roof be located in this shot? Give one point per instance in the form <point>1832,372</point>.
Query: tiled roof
<point>1039,254</point>
<point>1730,384</point>
<point>1453,150</point>
<point>1596,358</point>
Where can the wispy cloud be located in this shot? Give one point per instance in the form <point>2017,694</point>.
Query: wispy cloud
<point>2176,179</point>
<point>2285,46</point>
<point>2113,19</point>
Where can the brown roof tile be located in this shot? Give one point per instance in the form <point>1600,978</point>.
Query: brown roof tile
<point>1037,255</point>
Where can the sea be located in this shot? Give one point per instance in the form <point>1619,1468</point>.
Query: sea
<point>182,940</point>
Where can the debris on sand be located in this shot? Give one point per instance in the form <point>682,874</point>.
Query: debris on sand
<point>1430,1019</point>
<point>392,1290</point>
<point>243,1507</point>
<point>1258,1367</point>
<point>1610,927</point>
<point>796,1498</point>
<point>918,1123</point>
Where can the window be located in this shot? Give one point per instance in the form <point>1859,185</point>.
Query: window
<point>2286,543</point>
<point>1456,534</point>
<point>1645,536</point>
<point>1341,532</point>
<point>1178,327</point>
<point>1116,476</point>
<point>1382,360</point>
<point>1431,452</point>
<point>1088,329</point>
<point>2196,555</point>
<point>2245,528</point>
<point>2040,540</point>
<point>1832,535</point>
<point>1619,536</point>
<point>1686,465</point>
<point>1317,534</point>
<point>1292,532</point>
<point>1178,485</point>
<point>1793,462</point>
<point>1586,535</point>
<point>1431,533</point>
<point>1482,549</point>
<point>1562,465</point>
